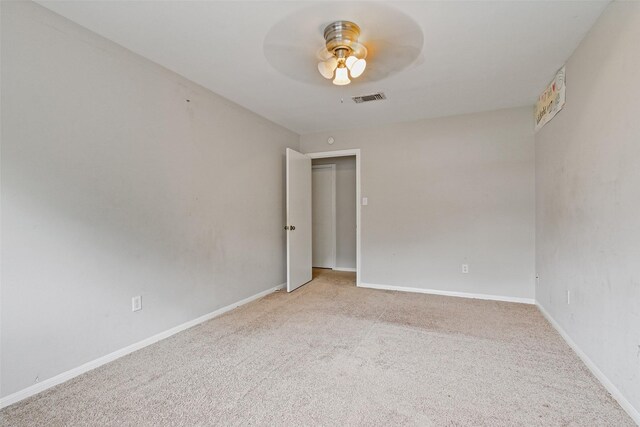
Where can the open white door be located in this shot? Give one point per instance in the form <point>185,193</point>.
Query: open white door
<point>298,226</point>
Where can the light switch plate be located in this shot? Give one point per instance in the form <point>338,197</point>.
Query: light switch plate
<point>136,303</point>
<point>365,201</point>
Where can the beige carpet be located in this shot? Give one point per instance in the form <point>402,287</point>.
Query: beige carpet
<point>334,354</point>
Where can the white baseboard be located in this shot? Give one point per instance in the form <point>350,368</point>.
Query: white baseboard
<point>448,293</point>
<point>65,376</point>
<point>611,388</point>
<point>344,269</point>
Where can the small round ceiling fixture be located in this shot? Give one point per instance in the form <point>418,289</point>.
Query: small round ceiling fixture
<point>331,140</point>
<point>343,55</point>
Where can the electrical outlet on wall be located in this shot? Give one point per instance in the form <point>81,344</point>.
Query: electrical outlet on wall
<point>465,268</point>
<point>136,303</point>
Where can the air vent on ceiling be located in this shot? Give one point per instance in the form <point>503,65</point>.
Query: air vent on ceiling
<point>368,98</point>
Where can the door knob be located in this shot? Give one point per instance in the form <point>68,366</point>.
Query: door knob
<point>286,227</point>
<point>290,227</point>
<point>293,227</point>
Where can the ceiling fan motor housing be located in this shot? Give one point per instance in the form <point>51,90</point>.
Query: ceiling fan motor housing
<point>342,39</point>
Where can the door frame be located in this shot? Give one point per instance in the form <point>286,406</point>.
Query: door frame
<point>334,238</point>
<point>346,153</point>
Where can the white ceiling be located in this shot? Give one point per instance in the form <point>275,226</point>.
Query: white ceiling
<point>476,55</point>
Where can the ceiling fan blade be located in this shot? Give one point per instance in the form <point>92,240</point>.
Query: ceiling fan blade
<point>295,61</point>
<point>323,54</point>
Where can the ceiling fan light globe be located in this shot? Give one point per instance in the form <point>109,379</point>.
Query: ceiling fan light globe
<point>350,61</point>
<point>326,69</point>
<point>357,68</point>
<point>342,77</point>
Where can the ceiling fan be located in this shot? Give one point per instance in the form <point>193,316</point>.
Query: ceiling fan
<point>345,56</point>
<point>313,39</point>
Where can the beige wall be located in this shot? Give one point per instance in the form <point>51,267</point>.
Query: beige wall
<point>588,201</point>
<point>113,185</point>
<point>345,209</point>
<point>445,192</point>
